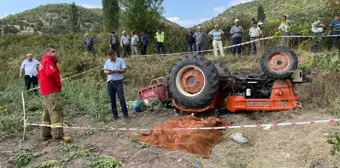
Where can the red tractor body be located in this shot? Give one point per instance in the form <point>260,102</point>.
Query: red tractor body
<point>196,84</point>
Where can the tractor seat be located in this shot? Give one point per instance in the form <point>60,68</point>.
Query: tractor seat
<point>256,75</point>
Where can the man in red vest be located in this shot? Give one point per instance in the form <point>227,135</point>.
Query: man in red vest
<point>50,89</point>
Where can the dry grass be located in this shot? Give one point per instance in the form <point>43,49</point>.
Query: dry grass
<point>323,90</point>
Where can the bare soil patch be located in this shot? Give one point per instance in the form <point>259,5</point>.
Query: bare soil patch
<point>288,146</point>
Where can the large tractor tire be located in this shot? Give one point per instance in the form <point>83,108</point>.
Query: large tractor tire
<point>278,62</point>
<point>194,81</point>
<point>221,69</point>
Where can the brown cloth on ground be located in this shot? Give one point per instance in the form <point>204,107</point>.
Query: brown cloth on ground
<point>198,142</point>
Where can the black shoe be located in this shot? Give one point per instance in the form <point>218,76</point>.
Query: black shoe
<point>114,118</point>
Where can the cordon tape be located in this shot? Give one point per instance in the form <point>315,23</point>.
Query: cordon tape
<point>197,128</point>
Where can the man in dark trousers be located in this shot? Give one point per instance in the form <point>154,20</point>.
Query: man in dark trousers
<point>144,42</point>
<point>30,67</point>
<point>114,43</point>
<point>114,68</point>
<point>191,41</point>
<point>89,44</point>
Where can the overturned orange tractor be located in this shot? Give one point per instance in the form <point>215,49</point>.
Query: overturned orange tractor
<point>196,84</point>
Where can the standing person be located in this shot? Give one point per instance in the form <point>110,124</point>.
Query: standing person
<point>89,44</point>
<point>125,43</point>
<point>200,38</point>
<point>255,33</point>
<point>134,43</point>
<point>160,41</point>
<point>114,68</point>
<point>216,35</point>
<point>191,41</point>
<point>30,67</point>
<point>285,28</point>
<point>50,89</point>
<point>144,42</point>
<point>236,37</point>
<point>335,26</point>
<point>249,46</point>
<point>317,29</point>
<point>114,43</point>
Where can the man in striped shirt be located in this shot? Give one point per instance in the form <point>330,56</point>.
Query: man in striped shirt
<point>335,26</point>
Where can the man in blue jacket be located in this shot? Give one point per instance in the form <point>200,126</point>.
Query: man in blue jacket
<point>89,44</point>
<point>144,42</point>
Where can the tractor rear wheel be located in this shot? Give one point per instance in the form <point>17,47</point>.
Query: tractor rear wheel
<point>221,69</point>
<point>193,81</point>
<point>278,62</point>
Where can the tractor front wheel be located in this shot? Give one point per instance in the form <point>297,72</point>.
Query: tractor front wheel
<point>278,62</point>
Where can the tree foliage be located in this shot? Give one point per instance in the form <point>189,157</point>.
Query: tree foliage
<point>142,15</point>
<point>74,19</point>
<point>38,25</point>
<point>333,5</point>
<point>111,11</point>
<point>260,13</point>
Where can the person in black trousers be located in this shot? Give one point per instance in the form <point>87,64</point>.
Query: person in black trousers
<point>30,67</point>
<point>114,43</point>
<point>144,42</point>
<point>114,68</point>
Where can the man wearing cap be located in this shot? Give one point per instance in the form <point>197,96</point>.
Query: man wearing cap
<point>236,37</point>
<point>125,42</point>
<point>216,35</point>
<point>114,68</point>
<point>335,26</point>
<point>200,36</point>
<point>255,33</point>
<point>30,67</point>
<point>114,43</point>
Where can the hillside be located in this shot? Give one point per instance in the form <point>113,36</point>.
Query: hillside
<point>274,9</point>
<point>53,18</point>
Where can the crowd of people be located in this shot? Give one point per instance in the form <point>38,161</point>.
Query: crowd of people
<point>48,74</point>
<point>133,45</point>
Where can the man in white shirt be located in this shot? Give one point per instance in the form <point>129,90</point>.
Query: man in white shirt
<point>134,44</point>
<point>30,67</point>
<point>255,32</point>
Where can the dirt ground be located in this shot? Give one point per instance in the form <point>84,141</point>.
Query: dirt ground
<point>289,146</point>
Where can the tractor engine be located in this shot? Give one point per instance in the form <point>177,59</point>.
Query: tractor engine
<point>253,89</point>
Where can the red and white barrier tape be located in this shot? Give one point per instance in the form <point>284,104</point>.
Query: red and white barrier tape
<point>198,128</point>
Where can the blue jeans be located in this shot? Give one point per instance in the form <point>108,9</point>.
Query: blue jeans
<point>116,87</point>
<point>335,39</point>
<point>191,47</point>
<point>237,40</point>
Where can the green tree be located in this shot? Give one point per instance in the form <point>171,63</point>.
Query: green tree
<point>10,30</point>
<point>260,13</point>
<point>38,25</point>
<point>74,19</point>
<point>142,14</point>
<point>111,11</point>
